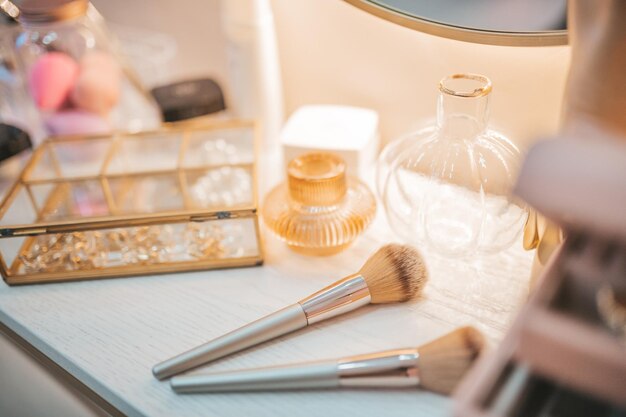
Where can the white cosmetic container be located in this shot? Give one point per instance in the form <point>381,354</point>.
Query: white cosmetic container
<point>351,132</point>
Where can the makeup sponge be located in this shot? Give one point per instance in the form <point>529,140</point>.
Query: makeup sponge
<point>97,88</point>
<point>51,79</point>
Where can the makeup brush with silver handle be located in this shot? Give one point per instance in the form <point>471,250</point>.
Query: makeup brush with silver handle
<point>395,273</point>
<point>437,366</point>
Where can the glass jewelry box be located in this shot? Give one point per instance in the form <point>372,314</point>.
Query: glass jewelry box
<point>133,204</point>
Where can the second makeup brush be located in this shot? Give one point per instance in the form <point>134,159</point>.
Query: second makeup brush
<point>395,273</point>
<point>436,366</point>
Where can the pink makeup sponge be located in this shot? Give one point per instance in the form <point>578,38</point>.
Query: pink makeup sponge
<point>51,79</point>
<point>97,88</point>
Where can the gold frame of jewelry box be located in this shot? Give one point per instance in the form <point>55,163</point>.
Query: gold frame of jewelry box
<point>116,221</point>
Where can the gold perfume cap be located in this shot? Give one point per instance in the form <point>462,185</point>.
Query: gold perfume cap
<point>317,179</point>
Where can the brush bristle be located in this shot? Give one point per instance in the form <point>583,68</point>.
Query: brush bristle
<point>395,273</point>
<point>443,362</point>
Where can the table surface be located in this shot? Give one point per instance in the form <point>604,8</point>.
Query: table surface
<point>109,333</point>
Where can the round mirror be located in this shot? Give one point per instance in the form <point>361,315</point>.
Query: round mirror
<point>493,22</point>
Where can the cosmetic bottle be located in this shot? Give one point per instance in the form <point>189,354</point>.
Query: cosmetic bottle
<point>253,65</point>
<point>448,186</point>
<point>319,210</point>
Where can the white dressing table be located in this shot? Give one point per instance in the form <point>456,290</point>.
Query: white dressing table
<point>104,336</point>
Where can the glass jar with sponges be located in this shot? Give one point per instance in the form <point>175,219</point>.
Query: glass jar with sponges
<point>73,72</point>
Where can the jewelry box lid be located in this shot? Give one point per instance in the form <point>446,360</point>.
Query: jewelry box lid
<point>170,175</point>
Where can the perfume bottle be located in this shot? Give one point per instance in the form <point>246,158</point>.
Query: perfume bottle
<point>448,186</point>
<point>319,210</point>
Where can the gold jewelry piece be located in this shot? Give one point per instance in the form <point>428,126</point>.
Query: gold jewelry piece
<point>137,245</point>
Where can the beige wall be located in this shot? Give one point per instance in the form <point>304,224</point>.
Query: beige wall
<point>194,25</point>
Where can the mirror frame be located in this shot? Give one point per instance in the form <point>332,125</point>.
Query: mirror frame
<point>459,33</point>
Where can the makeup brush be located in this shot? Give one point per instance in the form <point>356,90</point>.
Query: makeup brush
<point>395,273</point>
<point>437,366</point>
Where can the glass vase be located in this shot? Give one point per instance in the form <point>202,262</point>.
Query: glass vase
<point>448,185</point>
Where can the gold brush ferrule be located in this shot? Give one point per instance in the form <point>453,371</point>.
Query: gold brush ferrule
<point>344,295</point>
<point>392,368</point>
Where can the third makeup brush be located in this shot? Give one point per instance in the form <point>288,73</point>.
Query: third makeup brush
<point>395,273</point>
